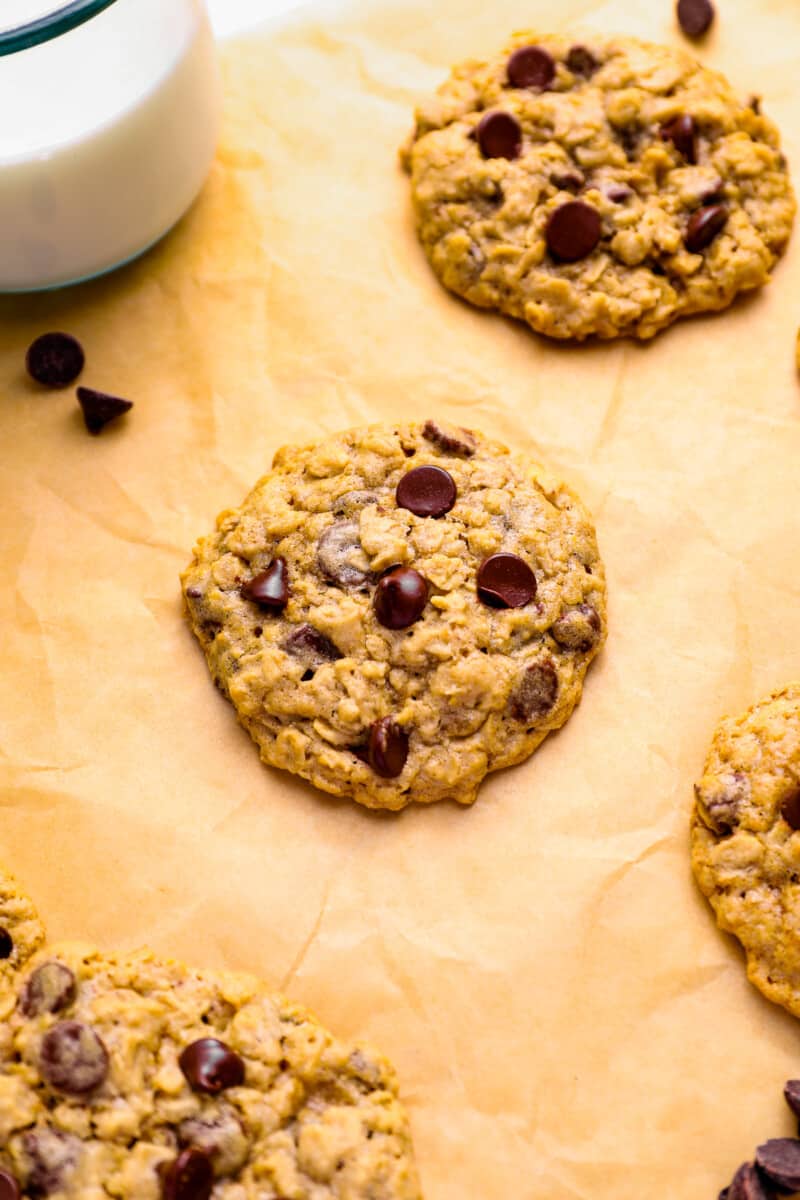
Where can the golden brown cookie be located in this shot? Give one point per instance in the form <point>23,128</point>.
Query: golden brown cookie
<point>396,611</point>
<point>746,839</point>
<point>603,188</point>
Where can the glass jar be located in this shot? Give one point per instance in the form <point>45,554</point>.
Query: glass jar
<point>110,124</point>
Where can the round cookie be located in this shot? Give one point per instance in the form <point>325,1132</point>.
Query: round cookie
<point>599,188</point>
<point>746,839</point>
<point>394,612</point>
<point>127,1076</point>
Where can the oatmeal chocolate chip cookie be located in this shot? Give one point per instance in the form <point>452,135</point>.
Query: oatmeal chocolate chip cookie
<point>604,188</point>
<point>394,612</point>
<point>126,1076</point>
<point>21,931</point>
<point>746,840</point>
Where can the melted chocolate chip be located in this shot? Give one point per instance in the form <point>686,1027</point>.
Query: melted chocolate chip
<point>682,132</point>
<point>388,748</point>
<point>720,799</point>
<point>747,1185</point>
<point>50,1157</point>
<point>400,598</point>
<point>310,646</point>
<point>704,226</point>
<point>218,1134</point>
<point>790,809</point>
<point>340,554</point>
<point>499,135</point>
<point>427,492</point>
<point>695,16</point>
<point>450,439</point>
<point>505,581</point>
<point>270,588</point>
<point>791,1093</point>
<point>9,1188</point>
<point>6,943</point>
<point>568,181</point>
<point>55,360</point>
<point>573,231</point>
<point>50,989</point>
<point>189,1177</point>
<point>536,692</point>
<point>72,1058</point>
<point>581,61</point>
<point>531,67</point>
<point>210,1066</point>
<point>577,628</point>
<point>779,1159</point>
<point>99,408</point>
<point>618,193</point>
<point>352,502</point>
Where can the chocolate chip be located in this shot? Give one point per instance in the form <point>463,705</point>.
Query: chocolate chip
<point>72,1058</point>
<point>400,598</point>
<point>704,226</point>
<point>499,135</point>
<point>50,989</point>
<point>9,1188</point>
<point>310,646</point>
<point>682,132</point>
<point>618,193</point>
<point>720,800</point>
<point>6,943</point>
<point>536,693</point>
<point>427,492</point>
<point>388,748</point>
<point>99,408</point>
<point>49,1156</point>
<point>340,555</point>
<point>450,439</point>
<point>531,67</point>
<point>790,809</point>
<point>269,588</point>
<point>505,581</point>
<point>581,61</point>
<point>779,1159</point>
<point>747,1185</point>
<point>695,16</point>
<point>754,103</point>
<point>218,1134</point>
<point>573,231</point>
<point>577,628</point>
<point>55,359</point>
<point>792,1095</point>
<point>568,181</point>
<point>210,1066</point>
<point>189,1177</point>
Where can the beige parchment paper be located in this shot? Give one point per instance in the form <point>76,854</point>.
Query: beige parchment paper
<point>565,1017</point>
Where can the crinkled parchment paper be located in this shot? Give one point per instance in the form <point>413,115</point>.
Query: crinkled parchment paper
<point>566,1019</point>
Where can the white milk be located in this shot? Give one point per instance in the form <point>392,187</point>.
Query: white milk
<point>107,136</point>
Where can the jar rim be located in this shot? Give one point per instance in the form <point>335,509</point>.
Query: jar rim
<point>62,19</point>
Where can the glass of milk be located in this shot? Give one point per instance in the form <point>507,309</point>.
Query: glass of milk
<point>109,129</point>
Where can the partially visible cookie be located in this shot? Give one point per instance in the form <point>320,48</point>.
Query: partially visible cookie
<point>123,1075</point>
<point>396,611</point>
<point>603,187</point>
<point>746,839</point>
<point>21,929</point>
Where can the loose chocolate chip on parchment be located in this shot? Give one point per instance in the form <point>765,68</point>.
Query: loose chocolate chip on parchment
<point>704,226</point>
<point>189,1177</point>
<point>99,408</point>
<point>505,581</point>
<point>50,1156</point>
<point>73,1059</point>
<point>581,61</point>
<point>499,135</point>
<point>531,67</point>
<point>450,439</point>
<point>310,646</point>
<point>55,359</point>
<point>270,588</point>
<point>695,16</point>
<point>9,1188</point>
<point>427,492</point>
<point>779,1159</point>
<point>577,628</point>
<point>388,748</point>
<point>210,1066</point>
<point>682,132</point>
<point>340,554</point>
<point>51,988</point>
<point>536,692</point>
<point>573,231</point>
<point>790,809</point>
<point>400,598</point>
<point>6,943</point>
<point>791,1094</point>
<point>746,1185</point>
